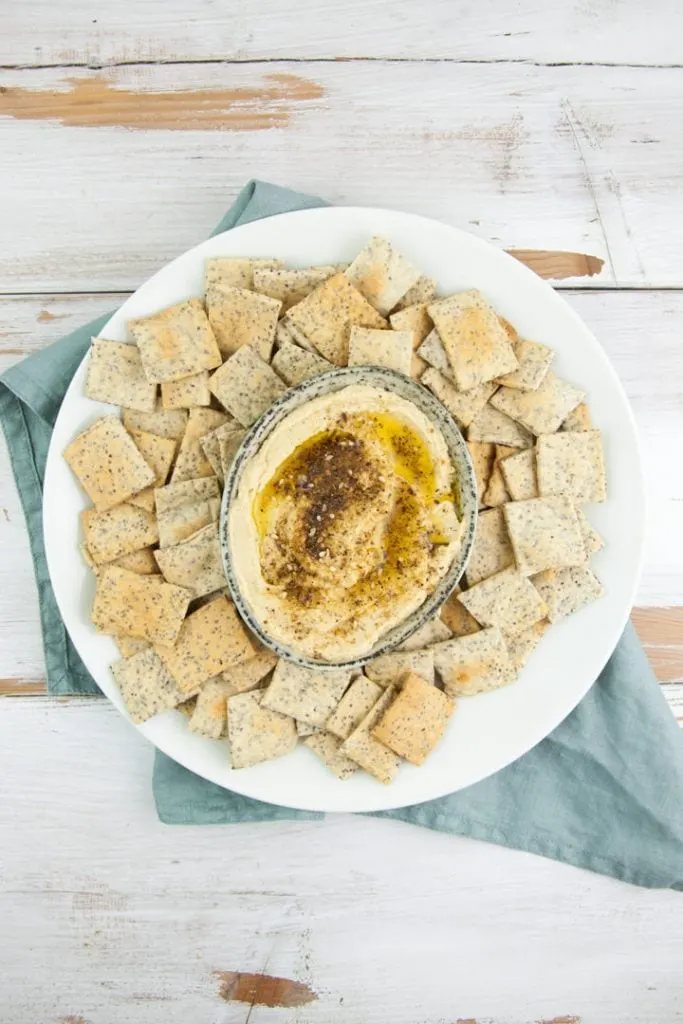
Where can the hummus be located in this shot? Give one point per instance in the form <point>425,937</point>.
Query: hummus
<point>344,522</point>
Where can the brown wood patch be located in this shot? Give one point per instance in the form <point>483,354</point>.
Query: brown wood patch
<point>558,265</point>
<point>94,102</point>
<point>263,990</point>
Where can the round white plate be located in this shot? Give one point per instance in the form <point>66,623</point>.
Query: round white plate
<point>486,732</point>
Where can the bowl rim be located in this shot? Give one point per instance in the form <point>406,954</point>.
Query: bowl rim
<point>328,383</point>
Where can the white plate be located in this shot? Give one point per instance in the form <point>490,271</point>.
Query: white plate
<point>486,732</point>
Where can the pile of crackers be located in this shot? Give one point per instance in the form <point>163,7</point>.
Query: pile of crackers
<point>194,379</point>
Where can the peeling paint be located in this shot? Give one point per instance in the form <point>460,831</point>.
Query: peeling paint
<point>263,990</point>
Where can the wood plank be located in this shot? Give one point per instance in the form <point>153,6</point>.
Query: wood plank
<point>145,921</point>
<point>583,159</point>
<point>631,33</point>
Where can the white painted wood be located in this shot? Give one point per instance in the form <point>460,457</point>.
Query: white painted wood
<point>579,158</point>
<point>110,916</point>
<point>82,32</point>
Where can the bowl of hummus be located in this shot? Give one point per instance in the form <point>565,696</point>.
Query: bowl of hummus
<point>348,517</point>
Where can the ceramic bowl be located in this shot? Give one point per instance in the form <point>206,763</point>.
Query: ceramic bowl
<point>327,383</point>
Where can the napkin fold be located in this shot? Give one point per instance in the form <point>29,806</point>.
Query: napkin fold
<point>604,791</point>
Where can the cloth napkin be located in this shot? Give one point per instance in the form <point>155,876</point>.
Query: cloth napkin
<point>604,791</point>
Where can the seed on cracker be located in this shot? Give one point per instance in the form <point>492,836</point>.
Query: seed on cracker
<point>327,748</point>
<point>194,563</point>
<point>290,286</point>
<point>496,492</point>
<point>567,590</point>
<point>145,685</point>
<point>519,474</point>
<point>494,426</point>
<point>141,606</point>
<point>492,550</point>
<point>247,675</point>
<point>109,467</point>
<point>234,271</point>
<point>534,362</point>
<point>257,733</point>
<point>571,465</point>
<point>187,392</point>
<point>382,274</point>
<point>115,375</point>
<point>242,317</point>
<point>191,462</point>
<point>370,753</point>
<point>163,422</point>
<point>212,445</point>
<point>177,524</point>
<point>416,720</point>
<point>415,319</point>
<point>507,600</point>
<point>474,664</point>
<point>545,534</point>
<point>540,411</point>
<point>118,531</point>
<point>370,347</point>
<point>186,492</point>
<point>142,562</point>
<point>326,315</point>
<point>246,386</point>
<point>423,291</point>
<point>210,715</point>
<point>432,351</point>
<point>578,419</point>
<point>462,405</point>
<point>306,694</point>
<point>356,703</point>
<point>482,454</point>
<point>391,668</point>
<point>295,364</point>
<point>476,343</point>
<point>176,342</point>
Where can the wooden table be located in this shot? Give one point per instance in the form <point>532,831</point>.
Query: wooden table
<point>125,131</point>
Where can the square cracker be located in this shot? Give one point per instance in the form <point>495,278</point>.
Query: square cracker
<point>362,747</point>
<point>211,445</point>
<point>545,534</point>
<point>522,645</point>
<point>257,733</point>
<point>290,286</point>
<point>305,694</point>
<point>109,467</point>
<point>178,524</point>
<point>186,492</point>
<point>540,411</point>
<point>534,362</point>
<point>210,641</point>
<point>326,316</point>
<point>295,364</point>
<point>246,386</point>
<point>476,343</point>
<point>118,531</point>
<point>519,473</point>
<point>496,492</point>
<point>424,290</point>
<point>176,342</point>
<point>415,319</point>
<point>434,631</point>
<point>210,715</point>
<point>482,454</point>
<point>130,645</point>
<point>115,375</point>
<point>591,538</point>
<point>191,462</point>
<point>382,274</point>
<point>195,563</point>
<point>248,674</point>
<point>567,590</point>
<point>492,550</point>
<point>140,606</point>
<point>158,452</point>
<point>456,616</point>
<point>141,561</point>
<point>571,465</point>
<point>578,419</point>
<point>474,664</point>
<point>391,668</point>
<point>162,422</point>
<point>370,347</point>
<point>359,699</point>
<point>233,271</point>
<point>432,351</point>
<point>462,405</point>
<point>242,317</point>
<point>507,600</point>
<point>415,722</point>
<point>326,747</point>
<point>495,427</point>
<point>187,392</point>
<point>146,686</point>
<point>229,445</point>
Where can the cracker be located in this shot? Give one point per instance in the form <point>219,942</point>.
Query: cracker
<point>211,445</point>
<point>295,364</point>
<point>130,645</point>
<point>545,534</point>
<point>496,492</point>
<point>176,342</point>
<point>118,531</point>
<point>146,686</point>
<point>424,290</point>
<point>434,631</point>
<point>433,352</point>
<point>326,315</point>
<point>359,699</point>
<point>476,343</point>
<point>571,465</point>
<point>186,707</point>
<point>195,563</point>
<point>534,362</point>
<point>191,462</point>
<point>242,317</point>
<point>186,492</point>
<point>234,271</point>
<point>382,274</point>
<point>391,668</point>
<point>462,405</point>
<point>163,422</point>
<point>107,464</point>
<point>415,722</point>
<point>140,606</point>
<point>229,445</point>
<point>519,474</point>
<point>523,644</point>
<point>494,426</point>
<point>288,331</point>
<point>210,641</point>
<point>142,562</point>
<point>326,747</point>
<point>482,454</point>
<point>210,715</point>
<point>415,319</point>
<point>370,347</point>
<point>306,694</point>
<point>248,674</point>
<point>290,286</point>
<point>540,411</point>
<point>492,550</point>
<point>115,375</point>
<point>257,733</point>
<point>187,392</point>
<point>177,524</point>
<point>158,452</point>
<point>246,386</point>
<point>362,747</point>
<point>567,590</point>
<point>592,540</point>
<point>456,616</point>
<point>578,419</point>
<point>474,664</point>
<point>507,600</point>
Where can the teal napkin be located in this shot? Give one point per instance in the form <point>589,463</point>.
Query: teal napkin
<point>604,791</point>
